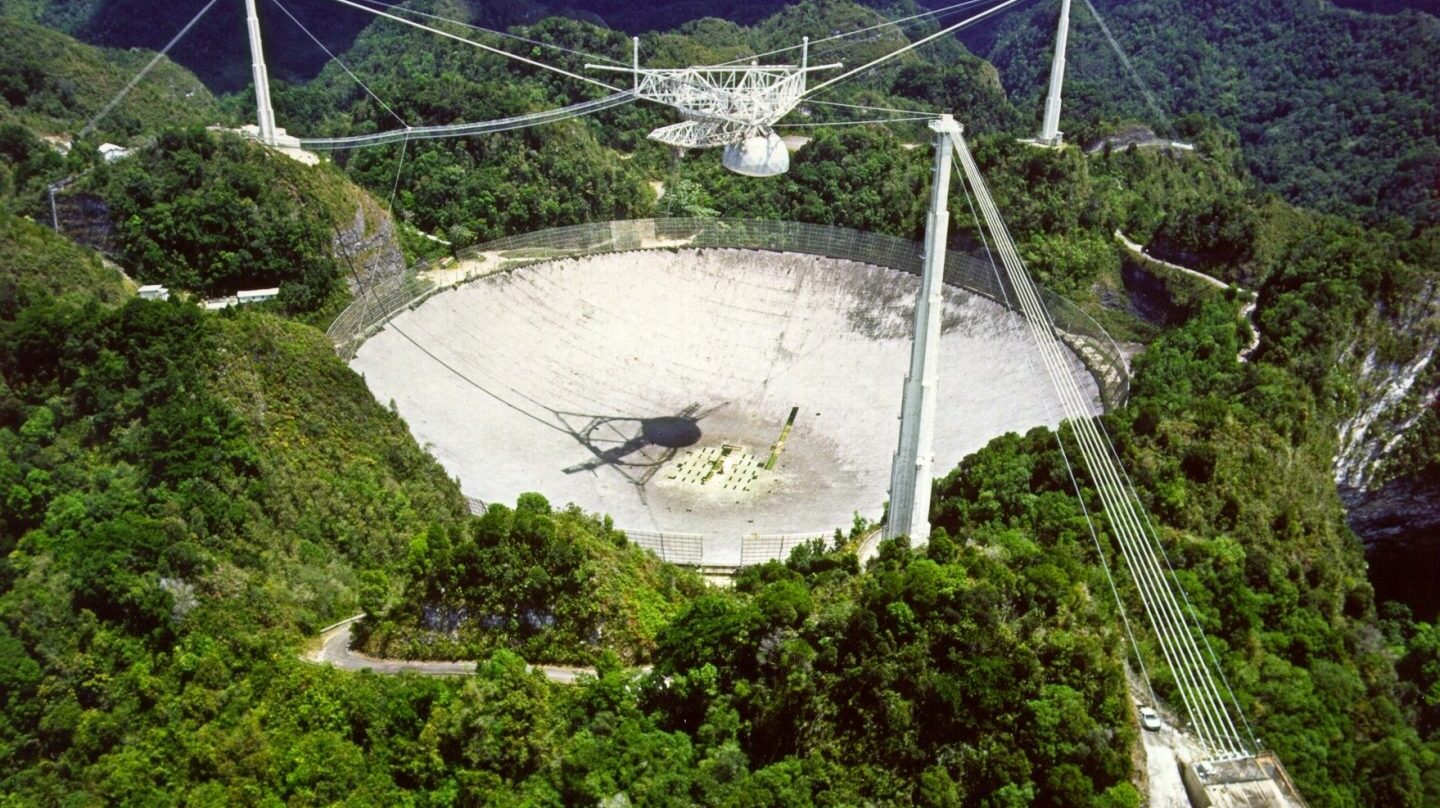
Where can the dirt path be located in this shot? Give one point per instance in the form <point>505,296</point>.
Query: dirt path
<point>1140,252</point>
<point>334,650</point>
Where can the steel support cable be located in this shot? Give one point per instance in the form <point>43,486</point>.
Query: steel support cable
<point>1120,503</point>
<point>1122,517</point>
<point>1123,527</point>
<point>482,46</point>
<point>467,129</point>
<point>1129,68</point>
<point>989,256</point>
<point>124,91</point>
<point>1144,583</point>
<point>856,123</point>
<point>1047,340</point>
<point>869,108</point>
<point>492,31</point>
<point>1144,540</point>
<point>1065,457</point>
<point>1105,565</point>
<point>1166,616</point>
<point>1249,731</point>
<point>903,22</point>
<point>1142,559</point>
<point>1165,623</point>
<point>873,63</point>
<point>343,66</point>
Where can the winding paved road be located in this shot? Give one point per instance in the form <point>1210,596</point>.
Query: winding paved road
<point>1247,311</point>
<point>334,650</point>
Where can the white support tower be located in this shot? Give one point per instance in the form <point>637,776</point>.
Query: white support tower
<point>1050,134</point>
<point>266,114</point>
<point>912,472</point>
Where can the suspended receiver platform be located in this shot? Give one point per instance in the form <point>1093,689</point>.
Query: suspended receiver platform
<point>731,106</point>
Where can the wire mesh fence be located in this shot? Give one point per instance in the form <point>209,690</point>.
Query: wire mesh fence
<point>757,548</point>
<point>677,548</point>
<point>381,301</point>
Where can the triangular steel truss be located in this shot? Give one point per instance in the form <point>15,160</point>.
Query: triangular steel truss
<point>721,104</point>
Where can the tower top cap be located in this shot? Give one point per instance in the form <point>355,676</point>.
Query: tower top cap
<point>946,124</point>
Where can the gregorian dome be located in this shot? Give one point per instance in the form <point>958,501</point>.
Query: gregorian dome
<point>758,156</point>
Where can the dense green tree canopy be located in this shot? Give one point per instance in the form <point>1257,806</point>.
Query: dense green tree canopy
<point>213,214</point>
<point>1335,110</point>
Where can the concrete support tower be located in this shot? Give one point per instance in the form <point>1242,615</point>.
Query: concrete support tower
<point>911,473</point>
<point>266,114</point>
<point>1050,134</point>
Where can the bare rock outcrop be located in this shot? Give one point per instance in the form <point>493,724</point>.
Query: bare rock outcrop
<point>367,246</point>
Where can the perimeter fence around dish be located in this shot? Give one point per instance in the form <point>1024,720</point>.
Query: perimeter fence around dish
<point>688,549</point>
<point>381,301</point>
<point>756,548</point>
<point>677,548</point>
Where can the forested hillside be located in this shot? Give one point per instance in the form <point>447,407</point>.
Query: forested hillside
<point>216,49</point>
<point>1335,104</point>
<point>187,496</point>
<point>553,586</point>
<point>1336,110</point>
<point>55,85</point>
<point>35,267</point>
<point>211,213</point>
<point>182,493</point>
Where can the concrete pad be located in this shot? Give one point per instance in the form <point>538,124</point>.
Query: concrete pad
<point>593,380</point>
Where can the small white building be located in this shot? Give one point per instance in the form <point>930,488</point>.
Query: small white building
<point>110,152</point>
<point>257,295</point>
<point>154,291</point>
<point>218,303</point>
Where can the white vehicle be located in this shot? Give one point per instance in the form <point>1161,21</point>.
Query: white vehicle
<point>1149,719</point>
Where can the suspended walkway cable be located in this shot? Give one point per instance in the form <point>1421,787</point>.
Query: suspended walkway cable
<point>466,129</point>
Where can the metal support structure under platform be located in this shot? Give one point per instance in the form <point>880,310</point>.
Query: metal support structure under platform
<point>913,469</point>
